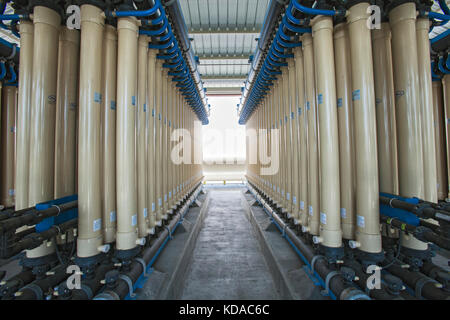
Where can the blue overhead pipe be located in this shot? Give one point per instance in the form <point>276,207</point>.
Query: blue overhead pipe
<point>438,16</point>
<point>440,36</point>
<point>2,70</point>
<point>135,13</point>
<point>444,7</point>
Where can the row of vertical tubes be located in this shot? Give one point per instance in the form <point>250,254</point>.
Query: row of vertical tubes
<point>96,112</point>
<point>354,109</point>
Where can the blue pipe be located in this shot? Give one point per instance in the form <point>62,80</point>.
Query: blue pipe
<point>444,7</point>
<point>440,36</point>
<point>438,16</point>
<point>2,70</point>
<point>315,12</point>
<point>135,13</point>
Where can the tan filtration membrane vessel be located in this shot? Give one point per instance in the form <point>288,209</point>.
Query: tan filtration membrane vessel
<point>127,236</point>
<point>26,30</point>
<point>297,177</point>
<point>151,108</point>
<point>345,117</point>
<point>439,121</point>
<point>368,237</point>
<point>66,112</point>
<point>141,151</point>
<point>302,137</point>
<point>426,112</point>
<point>288,154</point>
<point>446,94</point>
<point>385,108</point>
<point>108,133</point>
<point>90,238</point>
<point>43,111</point>
<point>406,82</point>
<point>7,147</point>
<point>163,167</point>
<point>313,203</point>
<point>330,222</point>
<point>158,131</point>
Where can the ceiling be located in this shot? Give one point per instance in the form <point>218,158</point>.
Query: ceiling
<point>224,35</point>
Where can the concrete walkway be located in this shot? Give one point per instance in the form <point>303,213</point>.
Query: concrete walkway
<point>227,262</point>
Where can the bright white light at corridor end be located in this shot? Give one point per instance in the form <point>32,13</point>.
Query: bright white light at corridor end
<point>224,138</point>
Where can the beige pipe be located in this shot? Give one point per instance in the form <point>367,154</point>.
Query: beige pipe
<point>7,146</point>
<point>426,99</point>
<point>288,142</point>
<point>345,117</point>
<point>330,220</point>
<point>368,237</point>
<point>141,152</point>
<point>446,95</point>
<point>127,236</point>
<point>313,137</point>
<point>90,239</point>
<point>151,100</point>
<point>43,101</point>
<point>439,120</point>
<point>406,82</point>
<point>164,147</point>
<point>66,112</point>
<point>385,107</point>
<point>158,151</point>
<point>302,137</point>
<point>108,133</point>
<point>26,30</point>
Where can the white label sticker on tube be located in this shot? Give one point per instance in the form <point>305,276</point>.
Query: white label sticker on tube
<point>153,207</point>
<point>294,200</point>
<point>310,210</point>
<point>360,221</point>
<point>343,213</point>
<point>302,205</point>
<point>97,225</point>
<point>134,220</point>
<point>112,216</point>
<point>323,218</point>
<point>160,202</point>
<point>145,212</point>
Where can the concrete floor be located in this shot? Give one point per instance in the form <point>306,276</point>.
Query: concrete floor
<point>227,262</point>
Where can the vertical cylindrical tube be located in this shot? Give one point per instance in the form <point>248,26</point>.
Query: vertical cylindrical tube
<point>26,30</point>
<point>426,112</point>
<point>141,151</point>
<point>43,109</point>
<point>296,155</point>
<point>108,120</point>
<point>385,108</point>
<point>125,135</point>
<point>43,101</point>
<point>90,236</point>
<point>7,146</point>
<point>302,137</point>
<point>439,121</point>
<point>368,236</point>
<point>313,136</point>
<point>163,163</point>
<point>66,112</point>
<point>158,150</point>
<point>288,143</point>
<point>402,19</point>
<point>330,222</point>
<point>406,81</point>
<point>345,117</point>
<point>446,94</point>
<point>151,103</point>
